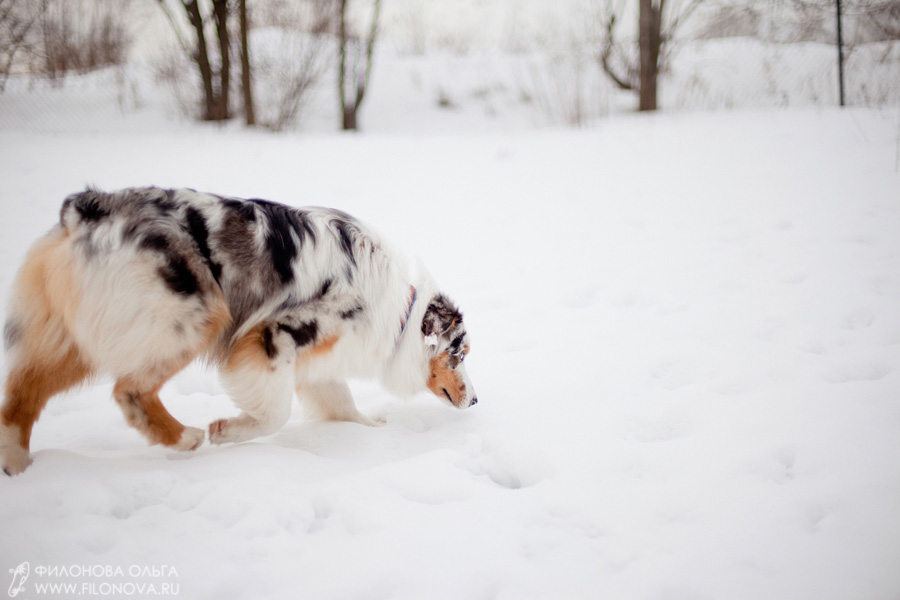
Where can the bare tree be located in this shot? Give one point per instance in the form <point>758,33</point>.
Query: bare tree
<point>281,62</point>
<point>79,35</point>
<point>357,74</point>
<point>215,85</point>
<point>884,17</point>
<point>220,16</point>
<point>287,74</point>
<point>297,51</point>
<point>246,81</point>
<point>17,20</point>
<point>656,28</point>
<point>872,20</point>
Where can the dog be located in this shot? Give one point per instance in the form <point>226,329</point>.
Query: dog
<point>136,284</point>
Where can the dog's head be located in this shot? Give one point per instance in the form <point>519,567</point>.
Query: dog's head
<point>447,344</point>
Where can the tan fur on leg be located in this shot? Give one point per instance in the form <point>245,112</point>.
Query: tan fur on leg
<point>138,394</point>
<point>27,391</point>
<point>43,359</point>
<point>145,412</point>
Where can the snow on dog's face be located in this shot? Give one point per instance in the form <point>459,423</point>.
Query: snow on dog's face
<point>448,345</point>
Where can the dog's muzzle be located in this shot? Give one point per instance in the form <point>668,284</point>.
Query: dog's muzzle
<point>471,398</point>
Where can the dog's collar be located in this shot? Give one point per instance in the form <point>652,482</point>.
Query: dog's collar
<point>409,308</point>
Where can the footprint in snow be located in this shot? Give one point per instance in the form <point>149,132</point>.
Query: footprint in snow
<point>859,319</point>
<point>777,466</point>
<point>669,426</point>
<point>850,373</point>
<point>509,471</point>
<point>674,373</point>
<point>816,516</point>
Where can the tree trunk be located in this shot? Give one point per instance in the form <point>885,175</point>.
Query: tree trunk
<point>349,123</point>
<point>650,42</point>
<point>220,11</point>
<point>363,80</point>
<point>347,113</point>
<point>358,76</point>
<point>246,83</point>
<point>201,57</point>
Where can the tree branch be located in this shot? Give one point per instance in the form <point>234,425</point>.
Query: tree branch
<point>607,53</point>
<point>370,48</point>
<point>175,27</point>
<point>343,63</point>
<point>680,18</point>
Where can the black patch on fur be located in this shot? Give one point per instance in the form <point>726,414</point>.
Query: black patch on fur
<point>89,208</point>
<point>350,314</point>
<point>155,241</point>
<point>284,223</point>
<point>345,236</point>
<point>303,335</point>
<point>176,272</point>
<point>244,209</point>
<point>161,201</point>
<point>198,230</point>
<point>455,344</point>
<point>12,333</point>
<point>178,276</point>
<point>283,252</point>
<point>326,285</point>
<point>269,344</point>
<point>164,207</point>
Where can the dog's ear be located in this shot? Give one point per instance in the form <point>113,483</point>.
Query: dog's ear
<point>440,317</point>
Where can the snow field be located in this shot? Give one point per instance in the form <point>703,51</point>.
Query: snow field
<point>685,340</point>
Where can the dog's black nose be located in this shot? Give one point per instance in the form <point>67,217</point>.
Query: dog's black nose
<point>474,402</point>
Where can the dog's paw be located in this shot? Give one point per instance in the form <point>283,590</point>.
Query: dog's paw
<point>375,421</point>
<point>191,439</point>
<point>220,433</point>
<point>15,460</point>
<point>354,416</point>
<point>364,420</point>
<point>13,457</point>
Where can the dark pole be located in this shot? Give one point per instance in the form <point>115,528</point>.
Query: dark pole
<point>840,44</point>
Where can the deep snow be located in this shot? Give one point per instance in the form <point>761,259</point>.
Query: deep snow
<point>685,342</point>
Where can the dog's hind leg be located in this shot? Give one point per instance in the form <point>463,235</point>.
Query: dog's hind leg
<point>260,382</point>
<point>138,397</point>
<point>137,393</point>
<point>29,385</point>
<point>332,401</point>
<point>41,354</point>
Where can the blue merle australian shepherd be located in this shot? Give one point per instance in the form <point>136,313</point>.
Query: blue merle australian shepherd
<point>138,283</point>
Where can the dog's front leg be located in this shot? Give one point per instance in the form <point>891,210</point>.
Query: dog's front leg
<point>332,401</point>
<point>263,393</point>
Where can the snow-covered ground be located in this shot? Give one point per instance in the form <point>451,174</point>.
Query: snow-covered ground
<point>686,344</point>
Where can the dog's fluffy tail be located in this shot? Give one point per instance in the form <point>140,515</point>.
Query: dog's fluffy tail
<point>41,309</point>
<point>42,357</point>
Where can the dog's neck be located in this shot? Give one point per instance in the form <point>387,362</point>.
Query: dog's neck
<point>406,371</point>
<point>409,308</point>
